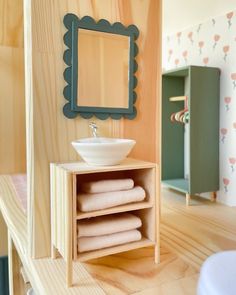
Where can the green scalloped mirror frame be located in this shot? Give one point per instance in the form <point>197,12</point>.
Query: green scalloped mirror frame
<point>71,109</point>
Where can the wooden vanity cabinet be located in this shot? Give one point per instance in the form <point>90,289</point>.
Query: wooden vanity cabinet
<point>65,180</point>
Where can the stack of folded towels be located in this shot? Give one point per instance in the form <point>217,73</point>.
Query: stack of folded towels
<point>107,231</point>
<point>103,194</point>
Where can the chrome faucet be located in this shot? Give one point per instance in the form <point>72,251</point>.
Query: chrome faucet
<point>94,128</point>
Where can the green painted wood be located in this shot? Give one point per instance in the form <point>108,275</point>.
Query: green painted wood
<point>172,133</point>
<point>204,129</point>
<point>70,57</point>
<point>201,85</point>
<point>181,185</point>
<point>4,284</point>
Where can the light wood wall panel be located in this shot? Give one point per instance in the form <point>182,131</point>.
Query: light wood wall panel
<point>12,111</point>
<point>12,106</point>
<point>11,23</point>
<point>3,239</point>
<point>49,132</point>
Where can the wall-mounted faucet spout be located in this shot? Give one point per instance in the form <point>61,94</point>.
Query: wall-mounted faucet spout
<point>94,128</point>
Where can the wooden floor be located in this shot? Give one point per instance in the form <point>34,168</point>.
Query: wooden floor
<point>197,231</point>
<point>188,235</point>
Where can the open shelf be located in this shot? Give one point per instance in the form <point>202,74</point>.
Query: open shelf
<point>66,186</point>
<point>179,184</point>
<point>117,209</point>
<point>116,249</point>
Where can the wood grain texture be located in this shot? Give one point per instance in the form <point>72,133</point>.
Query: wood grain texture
<point>46,276</point>
<point>145,128</point>
<point>49,132</point>
<point>12,212</point>
<point>16,282</point>
<point>3,240</point>
<point>65,178</point>
<point>197,231</point>
<point>11,23</point>
<point>12,111</point>
<point>12,103</point>
<point>193,233</point>
<point>135,271</point>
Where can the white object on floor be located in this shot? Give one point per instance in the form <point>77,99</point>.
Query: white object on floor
<point>218,275</point>
<point>102,151</point>
<point>108,185</point>
<point>92,202</point>
<point>105,225</point>
<point>100,242</point>
<point>30,292</point>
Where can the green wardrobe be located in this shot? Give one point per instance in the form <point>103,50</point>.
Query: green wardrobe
<point>201,87</point>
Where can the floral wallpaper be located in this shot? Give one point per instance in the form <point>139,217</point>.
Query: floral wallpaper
<point>213,43</point>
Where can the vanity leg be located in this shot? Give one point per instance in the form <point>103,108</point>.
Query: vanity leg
<point>53,252</point>
<point>213,196</point>
<point>188,198</point>
<point>157,254</point>
<point>69,273</point>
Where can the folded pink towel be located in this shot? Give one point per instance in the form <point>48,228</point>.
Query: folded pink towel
<point>92,202</point>
<point>109,224</point>
<point>100,242</point>
<point>109,185</point>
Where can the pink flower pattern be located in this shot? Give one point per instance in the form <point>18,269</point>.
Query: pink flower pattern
<point>176,62</point>
<point>179,36</point>
<point>227,100</point>
<point>226,50</point>
<point>200,44</point>
<point>205,61</point>
<point>185,56</point>
<point>213,44</point>
<point>223,132</point>
<point>190,36</point>
<point>226,182</point>
<point>170,54</point>
<point>233,77</point>
<point>216,40</point>
<point>232,162</point>
<point>229,17</point>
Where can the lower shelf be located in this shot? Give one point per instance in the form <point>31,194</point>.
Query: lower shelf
<point>116,249</point>
<point>179,184</point>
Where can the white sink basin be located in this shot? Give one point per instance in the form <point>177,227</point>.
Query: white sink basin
<point>102,151</point>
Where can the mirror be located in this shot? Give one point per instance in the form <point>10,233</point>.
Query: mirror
<point>103,59</point>
<point>101,65</point>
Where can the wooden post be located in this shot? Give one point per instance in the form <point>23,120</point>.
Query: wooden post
<point>188,198</point>
<point>213,196</point>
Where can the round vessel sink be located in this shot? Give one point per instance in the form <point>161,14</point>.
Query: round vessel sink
<point>103,151</point>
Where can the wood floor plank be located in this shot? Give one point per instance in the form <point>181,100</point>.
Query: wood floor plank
<point>185,286</point>
<point>136,271</point>
<point>195,232</point>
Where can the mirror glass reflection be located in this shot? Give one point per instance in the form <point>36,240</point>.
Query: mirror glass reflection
<point>103,69</point>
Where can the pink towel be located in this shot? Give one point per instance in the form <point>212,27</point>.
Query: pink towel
<point>100,242</point>
<point>109,224</point>
<point>109,185</point>
<point>92,202</point>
